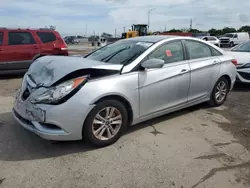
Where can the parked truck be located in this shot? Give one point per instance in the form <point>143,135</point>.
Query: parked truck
<point>232,39</point>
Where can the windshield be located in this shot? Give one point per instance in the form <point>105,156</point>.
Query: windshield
<point>228,35</point>
<point>245,47</point>
<point>121,52</point>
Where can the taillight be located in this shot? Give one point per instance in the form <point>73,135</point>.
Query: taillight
<point>63,45</point>
<point>234,61</point>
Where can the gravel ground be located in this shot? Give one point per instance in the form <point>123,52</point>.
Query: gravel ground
<point>196,147</point>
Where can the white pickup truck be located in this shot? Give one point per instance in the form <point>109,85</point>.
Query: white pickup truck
<point>232,39</point>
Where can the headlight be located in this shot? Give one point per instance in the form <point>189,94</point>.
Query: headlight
<point>55,94</point>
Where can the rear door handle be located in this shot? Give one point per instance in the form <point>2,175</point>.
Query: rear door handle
<point>183,71</point>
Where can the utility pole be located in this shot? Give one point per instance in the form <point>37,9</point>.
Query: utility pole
<point>115,33</point>
<point>165,28</point>
<point>149,16</point>
<point>86,30</point>
<point>191,23</point>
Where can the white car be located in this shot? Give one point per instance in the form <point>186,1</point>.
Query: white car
<point>241,52</point>
<point>212,40</point>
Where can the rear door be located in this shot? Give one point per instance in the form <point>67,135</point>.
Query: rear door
<point>205,66</point>
<point>48,42</point>
<point>168,86</point>
<point>2,56</point>
<point>21,49</point>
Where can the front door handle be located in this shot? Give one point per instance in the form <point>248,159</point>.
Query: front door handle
<point>215,61</point>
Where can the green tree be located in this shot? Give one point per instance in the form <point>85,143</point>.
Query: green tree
<point>174,31</point>
<point>213,31</point>
<point>245,28</point>
<point>195,31</point>
<point>228,30</point>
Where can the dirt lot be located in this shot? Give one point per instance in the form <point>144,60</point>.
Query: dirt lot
<point>193,148</point>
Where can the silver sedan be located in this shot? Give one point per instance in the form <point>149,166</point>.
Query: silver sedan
<point>97,96</point>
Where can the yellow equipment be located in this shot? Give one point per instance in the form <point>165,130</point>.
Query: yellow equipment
<point>137,30</point>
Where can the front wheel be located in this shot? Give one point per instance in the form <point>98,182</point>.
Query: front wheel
<point>219,93</point>
<point>105,123</point>
<point>231,44</point>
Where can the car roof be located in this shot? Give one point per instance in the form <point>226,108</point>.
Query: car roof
<point>27,29</point>
<point>153,38</point>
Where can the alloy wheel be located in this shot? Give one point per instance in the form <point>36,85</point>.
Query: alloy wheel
<point>107,123</point>
<point>221,91</point>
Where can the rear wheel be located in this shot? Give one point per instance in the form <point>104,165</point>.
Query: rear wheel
<point>219,93</point>
<point>105,123</point>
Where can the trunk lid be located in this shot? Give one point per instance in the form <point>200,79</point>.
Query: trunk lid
<point>242,57</point>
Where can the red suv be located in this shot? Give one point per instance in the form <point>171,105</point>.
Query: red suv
<point>20,47</point>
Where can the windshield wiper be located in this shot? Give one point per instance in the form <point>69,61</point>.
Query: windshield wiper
<point>110,56</point>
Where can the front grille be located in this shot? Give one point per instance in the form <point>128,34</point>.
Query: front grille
<point>224,41</point>
<point>50,126</point>
<point>26,94</point>
<point>25,121</point>
<point>245,75</point>
<point>28,90</point>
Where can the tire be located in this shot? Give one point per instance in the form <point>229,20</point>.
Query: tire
<point>104,139</point>
<point>217,101</point>
<point>231,44</point>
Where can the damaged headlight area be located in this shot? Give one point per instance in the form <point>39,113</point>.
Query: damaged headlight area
<point>61,92</point>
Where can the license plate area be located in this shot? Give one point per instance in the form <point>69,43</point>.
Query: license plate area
<point>29,111</point>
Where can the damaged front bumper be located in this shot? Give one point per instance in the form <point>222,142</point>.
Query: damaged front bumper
<point>33,118</point>
<point>52,122</point>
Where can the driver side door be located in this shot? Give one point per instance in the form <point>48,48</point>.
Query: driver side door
<point>166,87</point>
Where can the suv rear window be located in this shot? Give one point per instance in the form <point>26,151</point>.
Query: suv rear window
<point>20,38</point>
<point>1,38</point>
<point>46,37</point>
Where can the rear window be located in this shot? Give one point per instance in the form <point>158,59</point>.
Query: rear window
<point>211,38</point>
<point>46,37</point>
<point>1,38</point>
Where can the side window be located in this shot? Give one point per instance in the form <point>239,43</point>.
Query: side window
<point>215,52</point>
<point>46,37</point>
<point>236,36</point>
<point>1,38</point>
<point>170,52</point>
<point>20,38</point>
<point>211,38</point>
<point>197,49</point>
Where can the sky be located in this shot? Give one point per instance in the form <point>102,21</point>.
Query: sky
<point>81,17</point>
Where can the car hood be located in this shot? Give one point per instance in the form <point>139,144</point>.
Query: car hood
<point>242,57</point>
<point>47,70</point>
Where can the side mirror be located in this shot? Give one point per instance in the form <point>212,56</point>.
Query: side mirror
<point>153,63</point>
